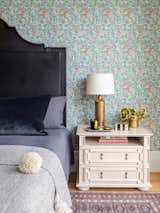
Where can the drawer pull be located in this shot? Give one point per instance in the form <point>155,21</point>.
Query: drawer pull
<point>126,156</point>
<point>101,156</point>
<point>126,175</point>
<point>101,175</point>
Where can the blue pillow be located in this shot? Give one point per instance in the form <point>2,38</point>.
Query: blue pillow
<point>23,115</point>
<point>21,127</point>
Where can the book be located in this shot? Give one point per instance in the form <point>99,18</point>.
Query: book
<point>111,137</point>
<point>113,140</point>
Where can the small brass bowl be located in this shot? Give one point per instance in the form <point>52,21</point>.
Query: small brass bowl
<point>108,127</point>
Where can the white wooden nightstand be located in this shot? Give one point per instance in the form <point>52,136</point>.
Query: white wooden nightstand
<point>114,165</point>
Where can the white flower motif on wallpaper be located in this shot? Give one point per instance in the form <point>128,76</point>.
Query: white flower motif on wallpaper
<point>121,37</point>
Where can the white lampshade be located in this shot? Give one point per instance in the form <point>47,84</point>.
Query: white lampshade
<point>100,84</point>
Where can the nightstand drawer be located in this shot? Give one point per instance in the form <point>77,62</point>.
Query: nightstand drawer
<point>111,156</point>
<point>101,175</point>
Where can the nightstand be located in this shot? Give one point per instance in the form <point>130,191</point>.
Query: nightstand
<point>114,165</point>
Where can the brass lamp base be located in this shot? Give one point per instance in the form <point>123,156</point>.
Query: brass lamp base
<point>100,111</point>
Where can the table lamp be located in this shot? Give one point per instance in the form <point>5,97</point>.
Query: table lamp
<point>100,84</point>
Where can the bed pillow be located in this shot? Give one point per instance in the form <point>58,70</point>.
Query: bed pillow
<point>23,116</point>
<point>55,112</point>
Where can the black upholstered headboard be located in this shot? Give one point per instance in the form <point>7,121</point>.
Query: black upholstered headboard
<point>28,69</point>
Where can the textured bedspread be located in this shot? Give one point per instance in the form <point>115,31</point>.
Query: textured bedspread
<point>30,193</point>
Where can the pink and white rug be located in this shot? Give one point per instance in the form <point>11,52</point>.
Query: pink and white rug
<point>115,202</point>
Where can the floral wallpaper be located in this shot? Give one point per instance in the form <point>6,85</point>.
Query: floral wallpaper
<point>118,36</point>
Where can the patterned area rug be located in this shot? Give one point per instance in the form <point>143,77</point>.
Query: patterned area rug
<point>115,202</point>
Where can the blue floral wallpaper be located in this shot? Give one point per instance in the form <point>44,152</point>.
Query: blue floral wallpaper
<point>118,36</point>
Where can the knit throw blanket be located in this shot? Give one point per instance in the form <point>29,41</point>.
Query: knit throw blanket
<point>43,192</point>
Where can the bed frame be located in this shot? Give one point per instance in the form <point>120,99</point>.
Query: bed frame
<point>28,70</point>
<point>19,76</point>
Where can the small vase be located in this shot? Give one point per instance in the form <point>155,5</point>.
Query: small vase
<point>134,122</point>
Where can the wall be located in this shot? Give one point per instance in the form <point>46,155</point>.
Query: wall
<point>121,37</point>
<point>154,161</point>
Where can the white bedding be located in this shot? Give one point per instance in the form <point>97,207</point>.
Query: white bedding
<point>31,193</point>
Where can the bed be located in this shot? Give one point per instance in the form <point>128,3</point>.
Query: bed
<point>31,73</point>
<point>57,140</point>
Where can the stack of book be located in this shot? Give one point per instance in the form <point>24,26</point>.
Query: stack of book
<point>113,140</point>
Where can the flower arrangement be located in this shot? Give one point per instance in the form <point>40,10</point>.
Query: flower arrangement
<point>133,116</point>
<point>127,113</point>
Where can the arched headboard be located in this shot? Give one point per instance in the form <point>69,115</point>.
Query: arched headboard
<point>28,69</point>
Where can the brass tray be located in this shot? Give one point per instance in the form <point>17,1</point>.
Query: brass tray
<point>88,129</point>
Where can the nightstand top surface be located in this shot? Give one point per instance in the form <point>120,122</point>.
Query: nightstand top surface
<point>137,132</point>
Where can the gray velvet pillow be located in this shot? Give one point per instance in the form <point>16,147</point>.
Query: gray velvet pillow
<point>55,112</point>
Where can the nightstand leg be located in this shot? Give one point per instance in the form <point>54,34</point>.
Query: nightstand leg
<point>83,188</point>
<point>144,188</point>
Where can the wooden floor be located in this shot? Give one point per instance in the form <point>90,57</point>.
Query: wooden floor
<point>155,181</point>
